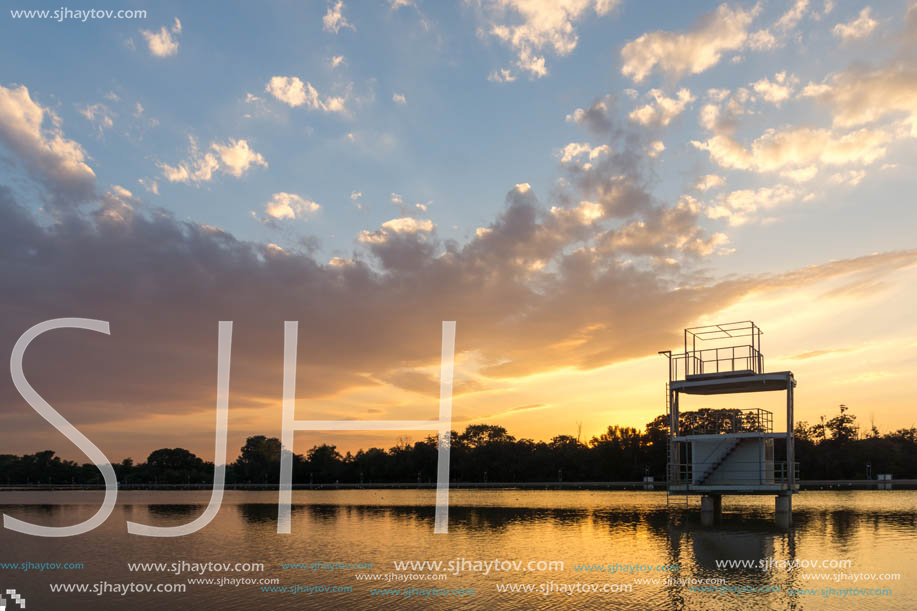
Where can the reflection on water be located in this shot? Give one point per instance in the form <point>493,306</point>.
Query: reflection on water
<point>873,529</point>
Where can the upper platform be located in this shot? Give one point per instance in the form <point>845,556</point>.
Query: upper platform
<point>734,382</point>
<point>722,359</point>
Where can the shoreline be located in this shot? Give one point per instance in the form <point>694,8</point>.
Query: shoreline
<point>901,484</point>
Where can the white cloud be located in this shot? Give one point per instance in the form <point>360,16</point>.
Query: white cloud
<point>99,115</point>
<point>766,39</point>
<point>721,115</point>
<point>656,147</point>
<point>663,109</point>
<point>861,27</point>
<point>150,185</point>
<point>532,27</point>
<point>801,174</point>
<point>408,224</point>
<point>850,178</point>
<point>739,207</point>
<point>776,91</point>
<point>691,52</point>
<point>573,150</point>
<point>234,158</point>
<point>49,156</point>
<point>503,75</point>
<point>710,181</point>
<point>355,195</point>
<point>586,212</point>
<point>334,19</point>
<point>397,199</point>
<point>289,206</point>
<point>860,96</point>
<point>336,61</point>
<point>399,98</point>
<point>237,157</point>
<point>797,147</point>
<point>122,192</point>
<point>292,91</point>
<point>790,19</point>
<point>162,43</point>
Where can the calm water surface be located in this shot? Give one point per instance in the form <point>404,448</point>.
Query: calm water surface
<point>875,530</point>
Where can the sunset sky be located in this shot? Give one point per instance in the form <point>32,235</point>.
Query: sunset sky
<point>572,181</point>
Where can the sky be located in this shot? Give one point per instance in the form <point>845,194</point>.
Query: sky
<point>572,181</point>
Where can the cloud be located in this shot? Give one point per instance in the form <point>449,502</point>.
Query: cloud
<point>292,91</point>
<point>861,27</point>
<point>575,150</point>
<point>336,61</point>
<point>720,114</point>
<point>595,118</point>
<point>532,27</point>
<point>861,95</point>
<point>850,178</point>
<point>334,19</point>
<point>150,185</point>
<point>503,75</point>
<point>289,206</point>
<point>804,174</point>
<point>398,98</point>
<point>663,231</point>
<point>740,207</point>
<point>678,53</point>
<point>774,36</point>
<point>710,181</point>
<point>99,115</point>
<point>122,192</point>
<point>408,225</point>
<point>163,284</point>
<point>162,43</point>
<point>776,91</point>
<point>797,147</point>
<point>234,158</point>
<point>33,134</point>
<point>663,109</point>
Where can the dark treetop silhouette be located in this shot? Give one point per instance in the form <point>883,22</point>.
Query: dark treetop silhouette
<point>831,449</point>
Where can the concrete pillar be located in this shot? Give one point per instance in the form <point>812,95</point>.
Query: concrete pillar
<point>711,503</point>
<point>783,504</point>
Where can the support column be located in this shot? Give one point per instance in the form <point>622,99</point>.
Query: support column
<point>674,465</point>
<point>790,446</point>
<point>783,503</point>
<point>711,503</point>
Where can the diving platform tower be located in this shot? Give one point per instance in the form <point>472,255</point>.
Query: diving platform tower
<point>727,451</point>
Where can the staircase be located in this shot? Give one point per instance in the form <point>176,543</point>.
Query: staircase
<point>732,448</point>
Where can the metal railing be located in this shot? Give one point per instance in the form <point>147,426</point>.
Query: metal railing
<point>712,361</point>
<point>744,473</point>
<point>710,422</point>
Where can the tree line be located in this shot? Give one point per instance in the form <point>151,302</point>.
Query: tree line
<point>833,448</point>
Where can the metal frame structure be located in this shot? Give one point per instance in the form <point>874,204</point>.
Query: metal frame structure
<point>715,363</point>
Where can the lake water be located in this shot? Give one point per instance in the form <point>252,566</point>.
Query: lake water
<point>874,530</point>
